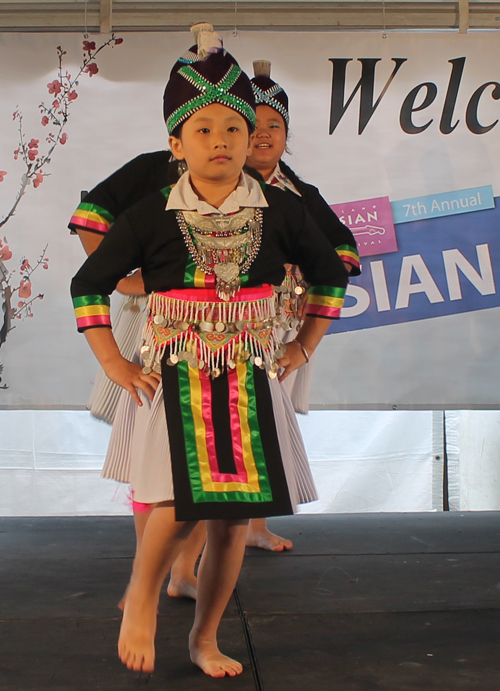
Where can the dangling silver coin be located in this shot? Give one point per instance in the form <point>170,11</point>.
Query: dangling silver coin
<point>146,370</point>
<point>174,359</point>
<point>220,326</point>
<point>257,360</point>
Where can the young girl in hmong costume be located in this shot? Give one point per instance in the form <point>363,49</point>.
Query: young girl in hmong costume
<point>210,249</point>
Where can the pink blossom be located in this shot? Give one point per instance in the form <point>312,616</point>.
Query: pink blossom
<point>20,304</point>
<point>25,288</point>
<point>55,103</point>
<point>14,115</point>
<point>37,180</point>
<point>118,41</point>
<point>88,46</point>
<point>45,120</point>
<point>3,173</point>
<point>34,144</point>
<point>72,95</point>
<point>16,154</point>
<point>5,253</point>
<point>63,138</point>
<point>32,154</point>
<point>25,265</point>
<point>54,87</point>
<point>41,296</point>
<point>91,69</point>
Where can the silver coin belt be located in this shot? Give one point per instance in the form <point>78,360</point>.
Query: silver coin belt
<point>252,340</point>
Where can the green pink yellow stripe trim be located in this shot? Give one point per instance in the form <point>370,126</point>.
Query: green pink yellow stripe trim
<point>92,217</point>
<point>349,255</point>
<point>250,483</point>
<point>325,301</point>
<point>92,311</point>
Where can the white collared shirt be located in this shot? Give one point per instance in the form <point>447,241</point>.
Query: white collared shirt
<point>279,179</point>
<point>248,193</point>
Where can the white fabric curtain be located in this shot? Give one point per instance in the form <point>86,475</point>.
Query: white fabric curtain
<point>362,461</point>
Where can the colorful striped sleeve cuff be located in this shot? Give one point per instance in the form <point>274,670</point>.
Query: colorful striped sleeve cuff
<point>92,217</point>
<point>349,255</point>
<point>91,311</point>
<point>325,301</point>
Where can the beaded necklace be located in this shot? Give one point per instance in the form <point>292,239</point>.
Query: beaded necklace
<point>224,246</point>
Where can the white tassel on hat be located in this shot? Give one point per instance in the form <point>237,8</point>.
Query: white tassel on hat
<point>262,68</point>
<point>207,39</point>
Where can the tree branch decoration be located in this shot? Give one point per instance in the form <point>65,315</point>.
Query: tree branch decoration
<point>63,89</point>
<point>17,284</point>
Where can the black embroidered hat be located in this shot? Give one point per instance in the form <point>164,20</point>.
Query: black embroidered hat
<point>268,92</point>
<point>204,75</point>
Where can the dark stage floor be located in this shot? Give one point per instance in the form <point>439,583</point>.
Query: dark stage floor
<point>392,602</point>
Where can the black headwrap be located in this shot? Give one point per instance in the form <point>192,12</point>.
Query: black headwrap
<point>204,75</point>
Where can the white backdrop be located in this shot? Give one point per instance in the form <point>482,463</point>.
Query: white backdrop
<point>50,463</point>
<point>438,350</point>
<point>436,357</point>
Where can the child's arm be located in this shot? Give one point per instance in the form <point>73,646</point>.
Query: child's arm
<point>128,375</point>
<point>312,331</point>
<point>118,254</point>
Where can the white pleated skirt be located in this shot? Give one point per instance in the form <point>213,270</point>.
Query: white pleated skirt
<point>128,324</point>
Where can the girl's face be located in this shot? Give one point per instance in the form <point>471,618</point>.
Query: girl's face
<point>268,140</point>
<point>214,142</point>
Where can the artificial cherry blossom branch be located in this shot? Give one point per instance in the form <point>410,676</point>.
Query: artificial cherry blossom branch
<point>64,91</point>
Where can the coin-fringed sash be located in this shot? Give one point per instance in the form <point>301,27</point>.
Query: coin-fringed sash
<point>210,333</point>
<point>92,217</point>
<point>226,459</point>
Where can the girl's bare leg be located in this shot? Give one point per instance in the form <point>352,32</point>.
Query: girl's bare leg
<point>219,570</point>
<point>161,541</point>
<point>259,535</point>
<point>182,579</point>
<point>140,520</point>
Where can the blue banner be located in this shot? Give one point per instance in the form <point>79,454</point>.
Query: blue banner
<point>446,265</point>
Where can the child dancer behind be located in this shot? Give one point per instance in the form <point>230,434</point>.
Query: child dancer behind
<point>269,142</point>
<point>210,249</point>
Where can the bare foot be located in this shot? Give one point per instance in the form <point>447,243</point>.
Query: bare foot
<point>121,604</point>
<point>210,660</point>
<point>263,538</point>
<point>136,642</point>
<point>182,587</point>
